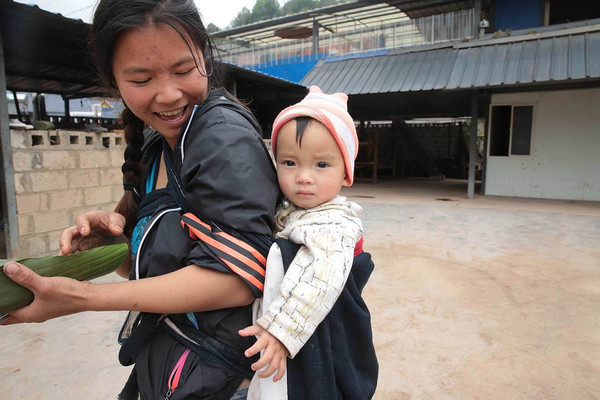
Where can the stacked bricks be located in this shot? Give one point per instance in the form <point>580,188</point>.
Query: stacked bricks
<point>59,175</point>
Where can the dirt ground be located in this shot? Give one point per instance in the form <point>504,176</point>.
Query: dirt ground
<point>490,298</point>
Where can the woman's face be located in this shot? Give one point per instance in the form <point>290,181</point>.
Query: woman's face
<point>158,78</point>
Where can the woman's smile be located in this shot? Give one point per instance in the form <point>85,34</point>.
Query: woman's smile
<point>159,78</point>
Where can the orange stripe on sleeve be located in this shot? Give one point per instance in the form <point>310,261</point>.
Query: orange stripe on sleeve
<point>227,236</point>
<point>240,257</point>
<point>245,275</point>
<point>245,246</point>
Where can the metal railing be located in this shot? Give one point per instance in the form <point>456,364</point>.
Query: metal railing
<point>446,27</point>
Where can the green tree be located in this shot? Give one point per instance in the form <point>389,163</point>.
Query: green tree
<point>212,28</point>
<point>268,9</point>
<point>297,6</point>
<point>265,9</point>
<point>243,17</point>
<point>325,3</point>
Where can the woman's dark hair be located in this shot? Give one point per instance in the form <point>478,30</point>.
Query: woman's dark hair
<point>111,19</point>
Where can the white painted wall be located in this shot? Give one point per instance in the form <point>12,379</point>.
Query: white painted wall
<point>565,158</point>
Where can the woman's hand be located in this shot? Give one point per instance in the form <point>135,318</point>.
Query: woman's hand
<point>53,297</point>
<point>93,229</point>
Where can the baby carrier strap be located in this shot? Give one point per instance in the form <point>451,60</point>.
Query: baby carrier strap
<point>339,360</point>
<point>174,183</point>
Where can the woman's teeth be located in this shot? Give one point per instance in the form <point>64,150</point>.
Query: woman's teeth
<point>168,114</point>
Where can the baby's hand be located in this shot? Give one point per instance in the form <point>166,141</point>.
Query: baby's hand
<point>274,356</point>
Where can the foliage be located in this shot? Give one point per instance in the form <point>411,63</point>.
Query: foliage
<point>265,9</point>
<point>268,9</point>
<point>212,28</point>
<point>243,17</point>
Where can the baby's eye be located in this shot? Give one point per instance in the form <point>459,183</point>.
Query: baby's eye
<point>322,164</point>
<point>288,163</point>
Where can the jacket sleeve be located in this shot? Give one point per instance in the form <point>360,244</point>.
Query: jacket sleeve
<point>231,190</point>
<point>316,276</point>
<point>227,176</point>
<point>224,252</point>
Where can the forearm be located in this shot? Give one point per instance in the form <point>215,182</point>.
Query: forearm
<point>189,289</point>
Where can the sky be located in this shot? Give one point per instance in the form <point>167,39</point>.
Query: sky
<point>219,12</point>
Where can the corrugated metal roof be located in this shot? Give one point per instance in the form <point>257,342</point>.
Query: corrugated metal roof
<point>344,17</point>
<point>550,57</point>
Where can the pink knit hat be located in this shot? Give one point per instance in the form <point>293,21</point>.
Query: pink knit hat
<point>332,111</point>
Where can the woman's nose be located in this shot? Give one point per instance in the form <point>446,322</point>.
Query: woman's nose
<point>168,94</point>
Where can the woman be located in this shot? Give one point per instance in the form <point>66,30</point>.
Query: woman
<point>200,194</point>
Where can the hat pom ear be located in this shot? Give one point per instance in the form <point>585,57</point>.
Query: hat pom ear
<point>343,97</point>
<point>315,89</point>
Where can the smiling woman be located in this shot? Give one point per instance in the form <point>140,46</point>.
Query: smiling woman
<point>160,88</point>
<point>198,206</point>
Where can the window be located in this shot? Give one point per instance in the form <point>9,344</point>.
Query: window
<point>511,129</point>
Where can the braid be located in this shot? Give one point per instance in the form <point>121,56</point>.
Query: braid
<point>132,168</point>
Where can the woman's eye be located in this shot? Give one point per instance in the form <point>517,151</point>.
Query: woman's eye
<point>140,82</point>
<point>322,164</point>
<point>185,72</point>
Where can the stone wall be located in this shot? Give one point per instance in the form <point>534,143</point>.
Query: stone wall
<point>59,175</point>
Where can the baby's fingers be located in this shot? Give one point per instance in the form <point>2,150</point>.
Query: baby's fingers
<point>263,361</point>
<point>280,370</point>
<point>255,349</point>
<point>267,372</point>
<point>250,330</point>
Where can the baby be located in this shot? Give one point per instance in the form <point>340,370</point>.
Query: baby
<point>315,145</point>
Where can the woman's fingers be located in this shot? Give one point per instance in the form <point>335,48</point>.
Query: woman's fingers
<point>88,228</point>
<point>66,241</point>
<point>25,277</point>
<point>52,296</point>
<point>103,221</point>
<point>22,275</point>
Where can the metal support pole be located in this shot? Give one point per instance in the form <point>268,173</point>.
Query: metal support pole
<point>315,38</point>
<point>476,19</point>
<point>7,176</point>
<point>473,145</point>
<point>17,106</point>
<point>67,120</point>
<point>486,135</point>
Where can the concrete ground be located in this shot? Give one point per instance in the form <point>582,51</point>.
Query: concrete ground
<point>490,298</point>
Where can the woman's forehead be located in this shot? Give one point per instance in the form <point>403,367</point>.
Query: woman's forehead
<point>151,43</point>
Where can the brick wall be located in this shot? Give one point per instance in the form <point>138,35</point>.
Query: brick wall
<point>59,175</point>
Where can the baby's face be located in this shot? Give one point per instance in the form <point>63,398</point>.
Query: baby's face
<point>311,174</point>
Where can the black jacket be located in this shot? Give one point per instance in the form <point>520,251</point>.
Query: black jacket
<point>222,175</point>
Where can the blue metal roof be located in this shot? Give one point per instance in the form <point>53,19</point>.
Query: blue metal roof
<point>567,55</point>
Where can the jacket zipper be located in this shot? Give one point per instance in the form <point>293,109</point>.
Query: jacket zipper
<point>173,381</point>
